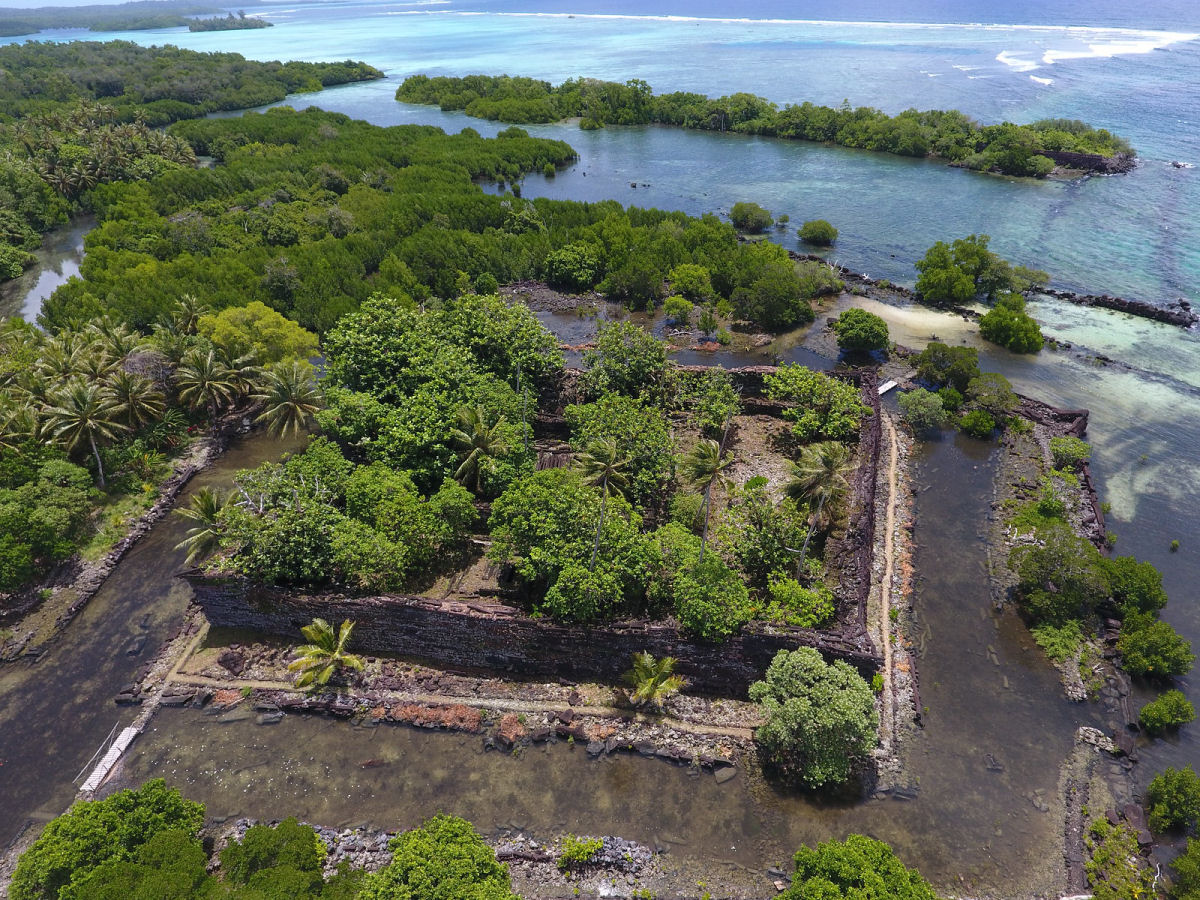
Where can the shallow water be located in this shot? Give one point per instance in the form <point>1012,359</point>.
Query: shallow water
<point>55,713</point>
<point>58,259</point>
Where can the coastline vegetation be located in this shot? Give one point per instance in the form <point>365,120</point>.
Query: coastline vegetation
<point>950,135</point>
<point>131,16</point>
<point>228,22</point>
<point>148,842</point>
<point>83,114</point>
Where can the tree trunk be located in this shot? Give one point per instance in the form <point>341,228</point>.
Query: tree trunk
<point>808,537</point>
<point>600,526</point>
<point>704,533</point>
<point>96,453</point>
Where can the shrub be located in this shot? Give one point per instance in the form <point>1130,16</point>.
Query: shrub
<point>578,852</point>
<point>268,854</point>
<point>1008,325</point>
<point>793,604</point>
<point>1173,799</point>
<point>580,594</point>
<point>1155,650</point>
<point>750,217</point>
<point>627,360</point>
<point>818,232</point>
<point>1059,642</point>
<point>711,601</point>
<point>952,400</point>
<point>978,424</point>
<point>691,281</point>
<point>678,310</point>
<point>858,329</point>
<point>923,410</point>
<point>1169,710</point>
<point>1061,579</point>
<point>821,719</point>
<point>444,859</point>
<point>1187,873</point>
<point>992,393</point>
<point>575,267</point>
<point>1069,452</point>
<point>1136,586</point>
<point>859,868</point>
<point>940,364</point>
<point>1115,870</point>
<point>93,833</point>
<point>826,409</point>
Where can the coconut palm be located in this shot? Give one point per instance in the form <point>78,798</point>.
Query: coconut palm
<point>18,424</point>
<point>117,338</point>
<point>819,481</point>
<point>703,467</point>
<point>204,537</point>
<point>478,443</point>
<point>83,411</point>
<point>291,395</point>
<point>134,398</point>
<point>604,466</point>
<point>185,315</point>
<point>317,662</point>
<point>63,354</point>
<point>653,680</point>
<point>203,381</point>
<point>244,371</point>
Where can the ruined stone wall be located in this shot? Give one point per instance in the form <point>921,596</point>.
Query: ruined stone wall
<point>482,634</point>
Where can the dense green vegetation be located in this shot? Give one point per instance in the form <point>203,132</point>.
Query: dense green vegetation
<point>950,135</point>
<point>228,22</point>
<point>976,402</point>
<point>132,16</point>
<point>429,410</point>
<point>858,329</point>
<point>858,868</point>
<point>90,414</point>
<point>817,232</point>
<point>1167,711</point>
<point>1173,800</point>
<point>74,116</point>
<point>311,212</point>
<point>146,844</point>
<point>821,718</point>
<point>957,273</point>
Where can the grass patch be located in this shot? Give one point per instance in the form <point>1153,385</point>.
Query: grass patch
<point>1059,643</point>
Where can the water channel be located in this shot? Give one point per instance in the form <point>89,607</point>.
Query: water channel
<point>56,712</point>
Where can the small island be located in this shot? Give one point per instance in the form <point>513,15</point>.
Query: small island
<point>228,23</point>
<point>1035,150</point>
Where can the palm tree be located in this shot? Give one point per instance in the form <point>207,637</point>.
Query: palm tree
<point>134,398</point>
<point>479,443</point>
<point>244,371</point>
<point>652,680</point>
<point>291,395</point>
<point>187,312</point>
<point>704,466</point>
<point>819,481</point>
<point>117,338</point>
<point>203,381</point>
<point>318,661</point>
<point>602,465</point>
<point>83,410</point>
<point>205,536</point>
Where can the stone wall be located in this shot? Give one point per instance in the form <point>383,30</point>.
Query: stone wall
<point>1093,162</point>
<point>485,635</point>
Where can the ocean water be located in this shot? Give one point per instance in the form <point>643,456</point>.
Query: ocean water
<point>1132,68</point>
<point>1134,72</point>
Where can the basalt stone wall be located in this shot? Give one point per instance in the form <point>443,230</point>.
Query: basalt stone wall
<point>482,634</point>
<point>851,553</point>
<point>1072,423</point>
<point>1093,162</point>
